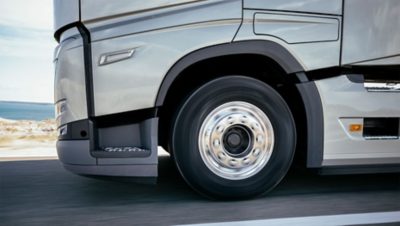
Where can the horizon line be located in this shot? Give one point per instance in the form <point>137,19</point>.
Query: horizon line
<point>25,102</point>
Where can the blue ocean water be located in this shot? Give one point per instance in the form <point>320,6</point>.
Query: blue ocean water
<point>26,111</point>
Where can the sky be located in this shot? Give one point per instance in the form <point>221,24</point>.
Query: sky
<point>26,50</point>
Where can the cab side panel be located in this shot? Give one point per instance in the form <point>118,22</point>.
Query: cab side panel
<point>311,6</point>
<point>158,36</point>
<point>310,30</point>
<point>103,9</point>
<point>371,32</point>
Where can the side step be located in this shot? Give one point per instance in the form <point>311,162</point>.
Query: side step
<point>121,152</point>
<point>128,150</point>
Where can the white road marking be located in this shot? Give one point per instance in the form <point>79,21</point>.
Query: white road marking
<point>329,220</point>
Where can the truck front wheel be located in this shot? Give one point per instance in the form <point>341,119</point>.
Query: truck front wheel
<point>233,138</point>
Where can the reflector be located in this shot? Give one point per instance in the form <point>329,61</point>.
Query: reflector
<point>355,127</point>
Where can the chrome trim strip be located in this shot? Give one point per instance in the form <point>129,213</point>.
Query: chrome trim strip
<point>382,87</point>
<point>113,57</point>
<point>382,138</point>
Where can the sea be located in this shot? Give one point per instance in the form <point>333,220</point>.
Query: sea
<point>26,110</point>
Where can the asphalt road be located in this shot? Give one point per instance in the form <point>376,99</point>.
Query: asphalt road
<point>41,192</point>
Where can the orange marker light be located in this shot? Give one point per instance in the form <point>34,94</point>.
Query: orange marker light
<point>355,128</point>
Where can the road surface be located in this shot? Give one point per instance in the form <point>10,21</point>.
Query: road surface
<point>41,192</point>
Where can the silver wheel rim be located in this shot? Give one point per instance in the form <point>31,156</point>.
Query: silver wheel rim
<point>227,122</point>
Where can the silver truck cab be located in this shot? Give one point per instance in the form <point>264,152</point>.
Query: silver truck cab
<point>232,89</point>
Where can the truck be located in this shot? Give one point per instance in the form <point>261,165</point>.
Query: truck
<point>232,89</point>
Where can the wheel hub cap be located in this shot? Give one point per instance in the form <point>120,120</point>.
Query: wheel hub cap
<point>236,140</point>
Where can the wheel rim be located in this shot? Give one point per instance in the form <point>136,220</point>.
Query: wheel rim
<point>236,140</point>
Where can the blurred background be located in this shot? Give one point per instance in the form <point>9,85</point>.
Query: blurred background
<point>26,78</point>
<point>26,50</point>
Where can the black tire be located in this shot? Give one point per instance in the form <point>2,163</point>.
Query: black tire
<point>193,112</point>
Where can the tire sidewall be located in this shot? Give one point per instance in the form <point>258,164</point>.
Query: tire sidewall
<point>189,121</point>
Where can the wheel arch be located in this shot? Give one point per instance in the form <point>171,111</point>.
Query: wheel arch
<point>265,48</point>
